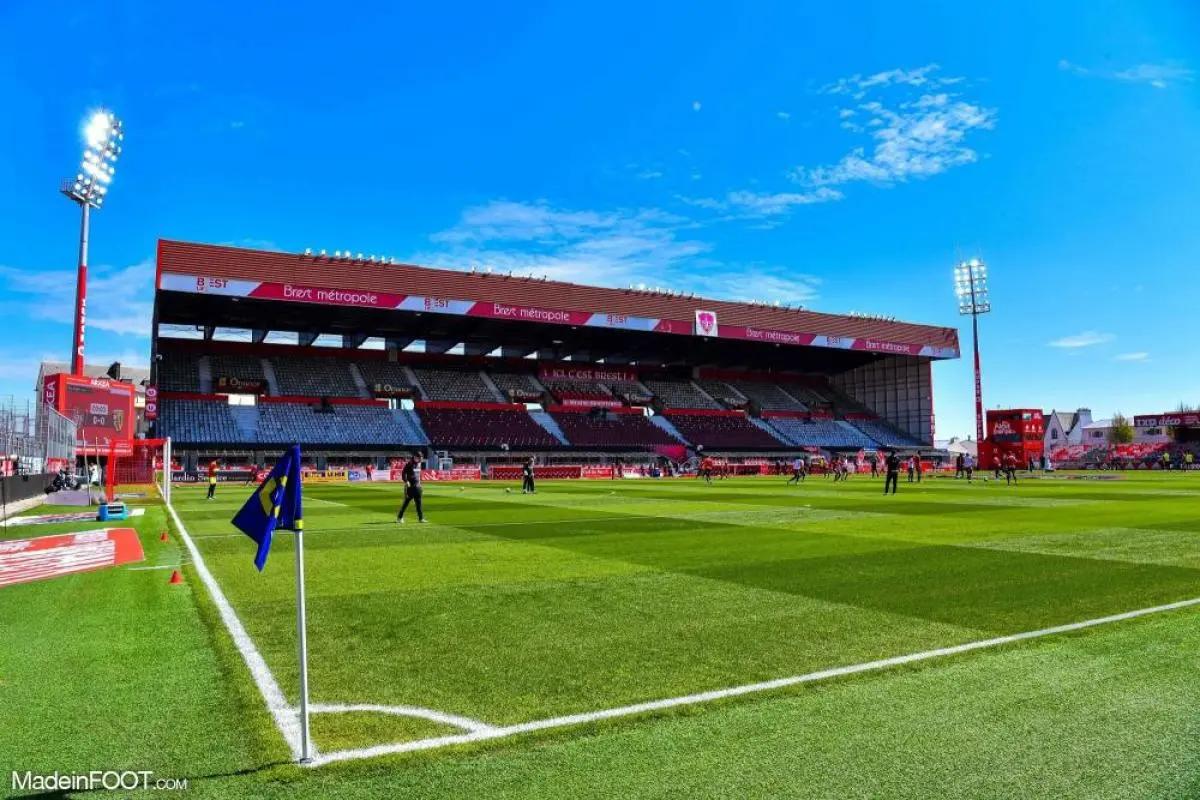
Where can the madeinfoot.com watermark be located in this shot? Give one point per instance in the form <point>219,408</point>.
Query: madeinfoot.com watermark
<point>108,780</point>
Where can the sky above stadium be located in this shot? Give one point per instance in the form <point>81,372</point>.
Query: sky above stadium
<point>842,160</point>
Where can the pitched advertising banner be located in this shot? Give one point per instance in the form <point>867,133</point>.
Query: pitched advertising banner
<point>704,322</point>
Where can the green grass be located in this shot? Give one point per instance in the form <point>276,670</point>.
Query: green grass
<point>590,595</point>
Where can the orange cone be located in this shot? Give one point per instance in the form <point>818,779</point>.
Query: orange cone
<point>175,577</point>
<point>162,537</point>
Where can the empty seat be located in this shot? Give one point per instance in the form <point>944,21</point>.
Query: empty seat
<point>680,394</point>
<point>611,430</point>
<point>314,377</point>
<point>464,386</point>
<point>726,432</point>
<point>476,427</point>
<point>178,372</point>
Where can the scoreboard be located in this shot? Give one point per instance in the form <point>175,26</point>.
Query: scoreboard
<point>102,409</point>
<point>1019,431</point>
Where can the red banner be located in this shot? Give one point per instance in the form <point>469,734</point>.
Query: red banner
<point>587,374</point>
<point>1176,419</point>
<point>591,402</point>
<point>25,560</point>
<point>151,409</point>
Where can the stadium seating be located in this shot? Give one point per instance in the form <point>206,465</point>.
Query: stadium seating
<point>723,393</point>
<point>886,434</point>
<point>214,422</point>
<point>821,433</point>
<point>284,423</point>
<point>726,432</point>
<point>314,377</point>
<point>198,421</point>
<point>632,391</point>
<point>769,396</point>
<point>178,372</point>
<point>611,430</point>
<point>386,373</point>
<point>464,386</point>
<point>524,383</point>
<point>242,368</point>
<point>469,427</point>
<point>681,394</point>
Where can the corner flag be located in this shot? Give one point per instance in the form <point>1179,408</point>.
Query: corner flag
<point>275,504</point>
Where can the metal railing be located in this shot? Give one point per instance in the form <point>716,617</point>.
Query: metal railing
<point>34,437</point>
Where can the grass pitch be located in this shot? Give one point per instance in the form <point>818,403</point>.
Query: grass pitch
<point>590,595</point>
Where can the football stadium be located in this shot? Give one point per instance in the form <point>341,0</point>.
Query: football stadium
<point>342,525</point>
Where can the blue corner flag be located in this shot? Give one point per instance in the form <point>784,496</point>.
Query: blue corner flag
<point>275,504</point>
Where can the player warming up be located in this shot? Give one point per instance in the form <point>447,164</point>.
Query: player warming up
<point>411,475</point>
<point>798,471</point>
<point>892,464</point>
<point>527,486</point>
<point>213,466</point>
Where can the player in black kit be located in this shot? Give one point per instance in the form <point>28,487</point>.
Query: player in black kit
<point>411,476</point>
<point>893,472</point>
<point>527,477</point>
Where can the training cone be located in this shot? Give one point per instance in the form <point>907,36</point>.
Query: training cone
<point>175,577</point>
<point>162,537</point>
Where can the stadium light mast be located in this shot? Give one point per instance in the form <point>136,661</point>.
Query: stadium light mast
<point>102,135</point>
<point>970,284</point>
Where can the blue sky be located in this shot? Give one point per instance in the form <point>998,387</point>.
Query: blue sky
<point>839,158</point>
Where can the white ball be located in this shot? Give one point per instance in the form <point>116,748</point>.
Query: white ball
<point>508,490</point>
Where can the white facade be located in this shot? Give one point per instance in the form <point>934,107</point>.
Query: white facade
<point>1066,428</point>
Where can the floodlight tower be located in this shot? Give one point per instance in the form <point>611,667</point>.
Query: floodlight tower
<point>970,284</point>
<point>102,135</point>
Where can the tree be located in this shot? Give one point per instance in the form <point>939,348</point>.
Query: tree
<point>1121,431</point>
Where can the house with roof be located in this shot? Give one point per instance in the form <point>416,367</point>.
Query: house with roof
<point>1065,428</point>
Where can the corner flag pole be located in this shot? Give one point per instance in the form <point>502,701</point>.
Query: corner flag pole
<point>302,639</point>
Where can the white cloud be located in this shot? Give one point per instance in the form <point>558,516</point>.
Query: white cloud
<point>1084,339</point>
<point>915,139</point>
<point>1160,76</point>
<point>752,205</point>
<point>649,174</point>
<point>607,248</point>
<point>696,105</point>
<point>857,86</point>
<point>759,282</point>
<point>119,301</point>
<point>908,135</point>
<point>610,247</point>
<point>1139,356</point>
<point>783,115</point>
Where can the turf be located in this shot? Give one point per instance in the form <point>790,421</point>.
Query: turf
<point>510,608</point>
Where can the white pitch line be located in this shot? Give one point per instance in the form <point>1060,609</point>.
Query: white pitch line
<point>571,720</point>
<point>285,716</point>
<point>433,715</point>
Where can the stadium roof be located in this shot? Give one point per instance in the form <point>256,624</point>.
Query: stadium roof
<point>353,282</point>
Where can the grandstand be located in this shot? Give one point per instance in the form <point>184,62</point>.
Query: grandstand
<point>476,363</point>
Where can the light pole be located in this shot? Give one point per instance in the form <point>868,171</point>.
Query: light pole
<point>102,145</point>
<point>970,284</point>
